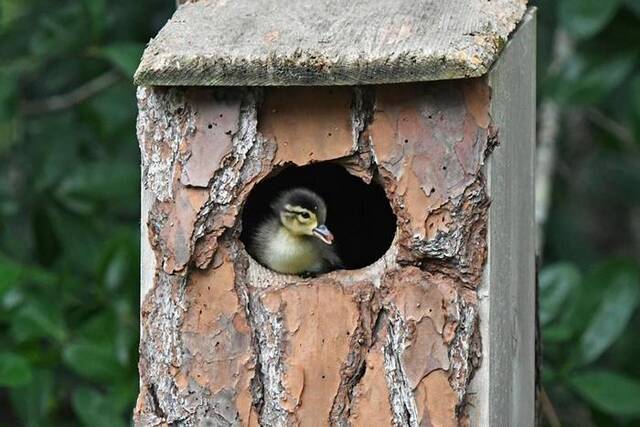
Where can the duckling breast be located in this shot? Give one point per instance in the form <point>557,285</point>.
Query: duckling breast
<point>290,254</point>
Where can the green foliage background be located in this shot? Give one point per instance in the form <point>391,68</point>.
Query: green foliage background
<point>69,210</point>
<point>589,67</point>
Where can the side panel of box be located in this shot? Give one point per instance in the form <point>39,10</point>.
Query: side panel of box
<point>505,384</point>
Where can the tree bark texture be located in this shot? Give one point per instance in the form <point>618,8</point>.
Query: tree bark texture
<point>227,342</point>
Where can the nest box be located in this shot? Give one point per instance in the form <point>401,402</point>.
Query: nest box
<point>414,119</point>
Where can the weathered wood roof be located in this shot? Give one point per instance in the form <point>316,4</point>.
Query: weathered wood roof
<point>327,42</point>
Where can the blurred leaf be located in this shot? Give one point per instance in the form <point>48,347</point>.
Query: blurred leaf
<point>126,337</point>
<point>612,316</point>
<point>99,329</point>
<point>634,5</point>
<point>634,90</point>
<point>125,56</point>
<point>575,316</point>
<point>108,330</point>
<point>56,33</point>
<point>9,133</point>
<point>117,269</point>
<point>548,374</point>
<point>11,10</point>
<point>123,394</point>
<point>69,210</point>
<point>119,262</point>
<point>608,391</point>
<point>8,96</point>
<point>585,18</point>
<point>68,226</point>
<point>97,184</point>
<point>587,77</point>
<point>95,410</point>
<point>614,185</point>
<point>48,243</point>
<point>37,320</point>
<point>92,361</point>
<point>14,370</point>
<point>10,275</point>
<point>558,333</point>
<point>33,401</point>
<point>95,9</point>
<point>557,282</point>
<point>110,115</point>
<point>12,299</point>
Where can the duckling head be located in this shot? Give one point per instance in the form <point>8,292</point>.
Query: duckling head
<point>303,213</point>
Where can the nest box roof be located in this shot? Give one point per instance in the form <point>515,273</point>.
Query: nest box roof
<point>327,42</point>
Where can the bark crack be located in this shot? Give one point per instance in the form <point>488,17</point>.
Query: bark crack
<point>269,331</point>
<point>157,409</point>
<point>354,368</point>
<point>403,404</point>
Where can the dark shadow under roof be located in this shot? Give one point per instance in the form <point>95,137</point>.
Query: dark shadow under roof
<point>327,42</point>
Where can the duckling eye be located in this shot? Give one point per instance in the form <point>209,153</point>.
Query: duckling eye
<point>305,215</point>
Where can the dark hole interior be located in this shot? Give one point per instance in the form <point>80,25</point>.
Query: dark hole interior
<point>358,214</point>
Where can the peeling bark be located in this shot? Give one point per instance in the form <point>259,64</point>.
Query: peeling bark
<point>226,341</point>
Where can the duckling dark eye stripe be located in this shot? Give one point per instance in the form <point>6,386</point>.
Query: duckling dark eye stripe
<point>294,212</point>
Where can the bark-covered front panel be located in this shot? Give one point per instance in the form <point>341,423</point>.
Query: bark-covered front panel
<point>225,341</point>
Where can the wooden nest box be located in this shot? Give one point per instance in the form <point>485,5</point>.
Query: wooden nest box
<point>415,120</point>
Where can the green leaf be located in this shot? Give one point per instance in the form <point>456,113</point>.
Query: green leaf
<point>635,99</point>
<point>14,370</point>
<point>8,96</point>
<point>112,114</point>
<point>612,316</point>
<point>10,10</point>
<point>556,283</point>
<point>578,311</point>
<point>609,392</point>
<point>634,5</point>
<point>95,10</point>
<point>99,329</point>
<point>33,401</point>
<point>585,18</point>
<point>10,132</point>
<point>557,333</point>
<point>92,361</point>
<point>96,410</point>
<point>124,393</point>
<point>10,275</point>
<point>36,320</point>
<point>117,266</point>
<point>98,184</point>
<point>594,287</point>
<point>587,77</point>
<point>125,56</point>
<point>634,93</point>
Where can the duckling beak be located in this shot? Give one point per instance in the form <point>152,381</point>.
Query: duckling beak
<point>323,233</point>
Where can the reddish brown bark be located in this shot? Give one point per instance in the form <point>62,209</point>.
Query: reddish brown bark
<point>226,341</point>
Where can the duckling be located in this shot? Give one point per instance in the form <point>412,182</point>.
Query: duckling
<point>294,238</point>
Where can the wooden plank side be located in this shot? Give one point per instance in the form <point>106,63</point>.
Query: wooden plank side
<point>505,383</point>
<point>327,42</point>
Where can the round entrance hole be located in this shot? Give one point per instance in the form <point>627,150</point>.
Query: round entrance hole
<point>358,214</point>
